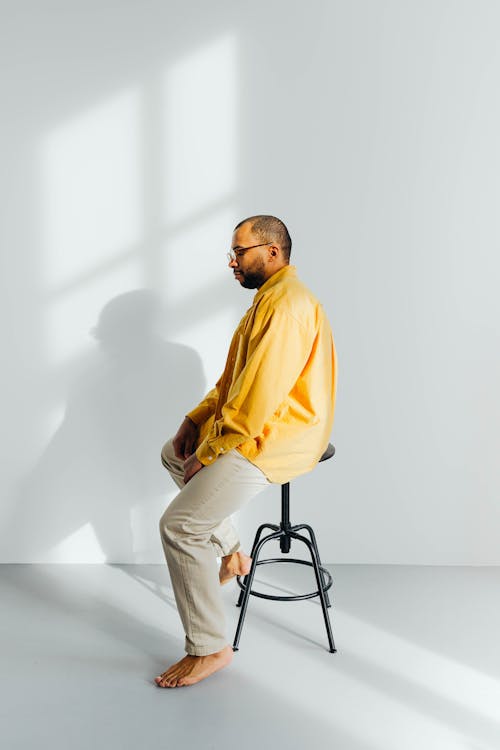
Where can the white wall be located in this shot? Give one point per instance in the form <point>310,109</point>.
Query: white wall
<point>134,136</point>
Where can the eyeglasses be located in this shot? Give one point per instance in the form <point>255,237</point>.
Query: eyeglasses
<point>240,251</point>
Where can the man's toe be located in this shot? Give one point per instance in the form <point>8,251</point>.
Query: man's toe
<point>162,680</point>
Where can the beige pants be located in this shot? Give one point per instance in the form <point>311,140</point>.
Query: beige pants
<point>195,529</point>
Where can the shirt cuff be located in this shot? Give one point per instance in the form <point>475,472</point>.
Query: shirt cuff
<point>209,450</point>
<point>207,455</point>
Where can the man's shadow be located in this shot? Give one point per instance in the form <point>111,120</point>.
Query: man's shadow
<point>102,466</point>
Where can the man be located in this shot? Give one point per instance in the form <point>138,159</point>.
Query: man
<point>267,420</point>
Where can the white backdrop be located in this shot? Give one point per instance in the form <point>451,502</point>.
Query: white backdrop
<point>134,136</point>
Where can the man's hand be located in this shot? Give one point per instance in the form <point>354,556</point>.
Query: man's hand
<point>191,467</point>
<point>185,439</point>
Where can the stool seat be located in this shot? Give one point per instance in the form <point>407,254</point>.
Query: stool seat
<point>285,532</point>
<point>330,451</point>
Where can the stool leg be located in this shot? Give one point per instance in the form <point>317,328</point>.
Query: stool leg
<point>319,582</point>
<point>249,580</point>
<point>261,528</point>
<point>316,551</point>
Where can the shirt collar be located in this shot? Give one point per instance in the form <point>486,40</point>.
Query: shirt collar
<point>285,272</point>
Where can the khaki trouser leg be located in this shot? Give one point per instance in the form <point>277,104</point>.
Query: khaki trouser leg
<point>195,528</point>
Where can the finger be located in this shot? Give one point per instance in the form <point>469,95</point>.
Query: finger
<point>179,449</point>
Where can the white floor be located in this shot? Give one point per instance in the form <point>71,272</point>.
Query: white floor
<point>417,667</point>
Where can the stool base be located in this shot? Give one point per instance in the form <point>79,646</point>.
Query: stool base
<point>295,597</point>
<point>285,533</point>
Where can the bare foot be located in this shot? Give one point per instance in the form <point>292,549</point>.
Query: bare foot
<point>192,669</point>
<point>237,564</point>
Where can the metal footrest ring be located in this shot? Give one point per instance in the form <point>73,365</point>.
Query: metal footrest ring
<point>296,597</point>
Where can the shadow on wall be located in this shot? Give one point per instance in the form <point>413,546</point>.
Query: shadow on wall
<point>104,459</point>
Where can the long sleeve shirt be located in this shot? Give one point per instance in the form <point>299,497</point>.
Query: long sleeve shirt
<point>275,400</point>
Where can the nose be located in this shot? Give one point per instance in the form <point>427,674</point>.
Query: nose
<point>232,263</point>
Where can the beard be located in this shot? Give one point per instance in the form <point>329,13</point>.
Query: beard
<point>254,278</point>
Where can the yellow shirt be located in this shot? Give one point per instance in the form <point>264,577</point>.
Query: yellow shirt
<point>275,400</point>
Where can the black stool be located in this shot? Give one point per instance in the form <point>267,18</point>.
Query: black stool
<point>285,532</point>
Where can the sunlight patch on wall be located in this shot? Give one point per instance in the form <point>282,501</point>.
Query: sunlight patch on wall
<point>53,417</point>
<point>69,317</point>
<point>91,190</point>
<point>197,257</point>
<point>200,167</point>
<point>200,122</point>
<point>80,547</point>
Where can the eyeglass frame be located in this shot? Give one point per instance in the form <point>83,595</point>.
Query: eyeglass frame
<point>231,255</point>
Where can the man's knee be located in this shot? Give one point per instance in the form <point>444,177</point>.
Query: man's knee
<point>177,524</point>
<point>174,524</point>
<point>168,526</point>
<point>167,452</point>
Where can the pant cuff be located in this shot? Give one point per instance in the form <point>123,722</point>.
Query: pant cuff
<point>205,650</point>
<point>226,549</point>
<point>233,549</point>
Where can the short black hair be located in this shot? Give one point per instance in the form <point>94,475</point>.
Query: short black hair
<point>270,229</point>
